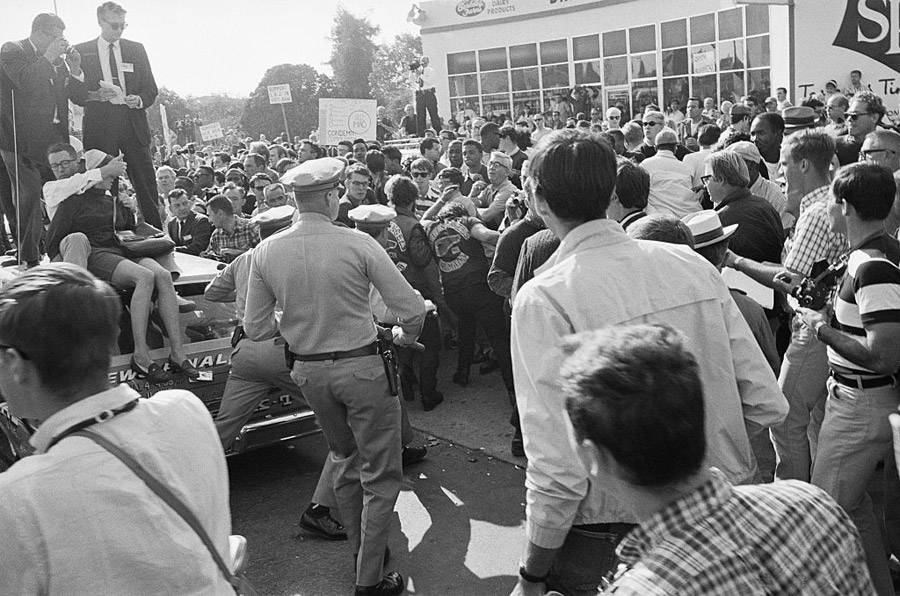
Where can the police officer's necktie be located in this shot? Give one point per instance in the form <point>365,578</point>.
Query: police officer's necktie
<point>113,67</point>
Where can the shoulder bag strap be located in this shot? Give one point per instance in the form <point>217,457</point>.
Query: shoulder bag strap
<point>163,493</point>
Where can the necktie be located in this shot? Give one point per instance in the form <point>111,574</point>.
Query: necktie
<point>113,68</point>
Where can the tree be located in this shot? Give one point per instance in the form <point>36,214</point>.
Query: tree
<point>352,50</point>
<point>219,108</point>
<point>390,78</point>
<point>307,86</point>
<point>177,108</point>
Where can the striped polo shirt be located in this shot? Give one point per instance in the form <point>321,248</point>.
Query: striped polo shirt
<point>869,294</point>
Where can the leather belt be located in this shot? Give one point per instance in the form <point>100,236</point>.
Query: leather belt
<point>862,383</point>
<point>369,350</point>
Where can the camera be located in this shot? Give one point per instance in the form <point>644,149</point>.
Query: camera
<point>813,292</point>
<point>415,65</point>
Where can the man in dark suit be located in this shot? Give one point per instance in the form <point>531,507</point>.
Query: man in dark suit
<point>188,229</point>
<point>33,81</point>
<point>118,88</point>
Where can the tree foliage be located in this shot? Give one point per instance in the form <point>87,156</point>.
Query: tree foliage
<point>307,86</point>
<point>352,50</point>
<point>177,107</point>
<point>390,78</point>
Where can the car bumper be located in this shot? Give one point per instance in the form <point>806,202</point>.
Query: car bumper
<point>275,430</point>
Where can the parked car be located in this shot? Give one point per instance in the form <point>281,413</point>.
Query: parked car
<point>207,328</point>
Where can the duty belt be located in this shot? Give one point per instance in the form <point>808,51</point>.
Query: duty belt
<point>369,350</point>
<point>863,382</point>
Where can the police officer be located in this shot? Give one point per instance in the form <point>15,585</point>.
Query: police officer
<point>318,274</point>
<point>257,368</point>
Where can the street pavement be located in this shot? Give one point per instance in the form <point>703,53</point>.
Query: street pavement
<point>458,523</point>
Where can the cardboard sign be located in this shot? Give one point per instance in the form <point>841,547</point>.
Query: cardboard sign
<point>279,93</point>
<point>346,119</point>
<point>208,132</point>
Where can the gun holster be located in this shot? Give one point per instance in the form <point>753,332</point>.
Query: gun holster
<point>289,357</point>
<point>385,341</point>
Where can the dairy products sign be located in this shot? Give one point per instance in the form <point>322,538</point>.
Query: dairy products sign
<point>470,8</point>
<point>345,120</point>
<point>474,8</point>
<point>872,28</point>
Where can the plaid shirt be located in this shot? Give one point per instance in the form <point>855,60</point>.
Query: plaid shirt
<point>812,239</point>
<point>783,538</point>
<point>244,237</point>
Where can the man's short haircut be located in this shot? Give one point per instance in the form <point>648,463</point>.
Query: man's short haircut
<point>184,182</point>
<point>662,228</point>
<point>401,190</point>
<point>220,203</point>
<point>177,193</point>
<point>392,153</point>
<point>632,185</point>
<point>358,141</point>
<point>260,176</point>
<point>730,168</point>
<point>857,72</point>
<point>60,147</point>
<point>260,148</point>
<point>360,169</point>
<point>708,135</point>
<point>634,133</point>
<point>375,161</point>
<point>575,173</point>
<point>873,101</point>
<point>839,100</point>
<point>473,143</point>
<point>781,89</point>
<point>509,132</point>
<point>773,120</point>
<point>490,128</point>
<point>815,146</point>
<point>868,187</point>
<point>449,134</point>
<point>232,186</point>
<point>697,99</point>
<point>428,143</point>
<point>422,163</point>
<point>109,7</point>
<point>891,138</point>
<point>79,324</point>
<point>45,22</point>
<point>258,159</point>
<point>165,169</point>
<point>635,391</point>
<point>735,118</point>
<point>272,187</point>
<point>452,175</point>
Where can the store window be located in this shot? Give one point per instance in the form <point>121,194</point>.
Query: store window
<point>586,48</point>
<point>615,71</point>
<point>674,34</point>
<point>555,76</point>
<point>731,23</point>
<point>731,86</point>
<point>461,63</point>
<point>493,59</point>
<point>758,51</point>
<point>757,20</point>
<point>703,28</point>
<point>461,85</point>
<point>731,55</point>
<point>495,82</point>
<point>524,55</point>
<point>495,105</point>
<point>555,51</point>
<point>643,66</point>
<point>588,73</point>
<point>644,93</point>
<point>525,79</point>
<point>614,43</point>
<point>675,62</point>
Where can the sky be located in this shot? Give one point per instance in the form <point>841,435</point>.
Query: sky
<point>201,47</point>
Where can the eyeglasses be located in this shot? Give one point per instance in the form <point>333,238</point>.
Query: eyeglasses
<point>420,174</point>
<point>855,115</point>
<point>867,153</point>
<point>705,179</point>
<point>651,123</point>
<point>358,183</point>
<point>613,117</point>
<point>117,26</point>
<point>62,164</point>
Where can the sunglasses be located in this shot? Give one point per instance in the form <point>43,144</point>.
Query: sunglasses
<point>855,115</point>
<point>62,164</point>
<point>613,117</point>
<point>705,179</point>
<point>650,123</point>
<point>420,174</point>
<point>867,153</point>
<point>117,26</point>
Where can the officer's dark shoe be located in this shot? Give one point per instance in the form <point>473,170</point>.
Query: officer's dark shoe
<point>413,455</point>
<point>430,402</point>
<point>517,447</point>
<point>317,520</point>
<point>390,585</point>
<point>461,377</point>
<point>488,367</point>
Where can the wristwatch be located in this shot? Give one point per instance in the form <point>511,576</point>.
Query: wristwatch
<point>817,328</point>
<point>532,579</point>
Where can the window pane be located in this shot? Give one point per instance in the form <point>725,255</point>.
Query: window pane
<point>758,51</point>
<point>493,59</point>
<point>460,63</point>
<point>585,48</point>
<point>525,55</point>
<point>675,62</point>
<point>525,79</point>
<point>494,82</point>
<point>530,102</point>
<point>704,87</point>
<point>615,71</point>
<point>614,43</point>
<point>732,86</point>
<point>731,55</point>
<point>554,51</point>
<point>587,72</point>
<point>703,28</point>
<point>703,59</point>
<point>676,88</point>
<point>674,33</point>
<point>643,66</point>
<point>555,76</point>
<point>757,19</point>
<point>457,105</point>
<point>643,39</point>
<point>620,98</point>
<point>731,23</point>
<point>495,104</point>
<point>463,85</point>
<point>644,93</point>
<point>550,98</point>
<point>760,82</point>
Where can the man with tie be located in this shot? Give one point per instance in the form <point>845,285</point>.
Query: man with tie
<point>118,88</point>
<point>188,229</point>
<point>33,115</point>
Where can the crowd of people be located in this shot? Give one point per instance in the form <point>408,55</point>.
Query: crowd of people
<point>683,307</point>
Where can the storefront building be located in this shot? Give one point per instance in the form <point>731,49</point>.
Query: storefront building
<point>504,56</point>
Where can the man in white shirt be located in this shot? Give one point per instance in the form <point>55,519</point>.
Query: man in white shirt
<point>696,161</point>
<point>74,518</point>
<point>632,282</point>
<point>670,179</point>
<point>426,81</point>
